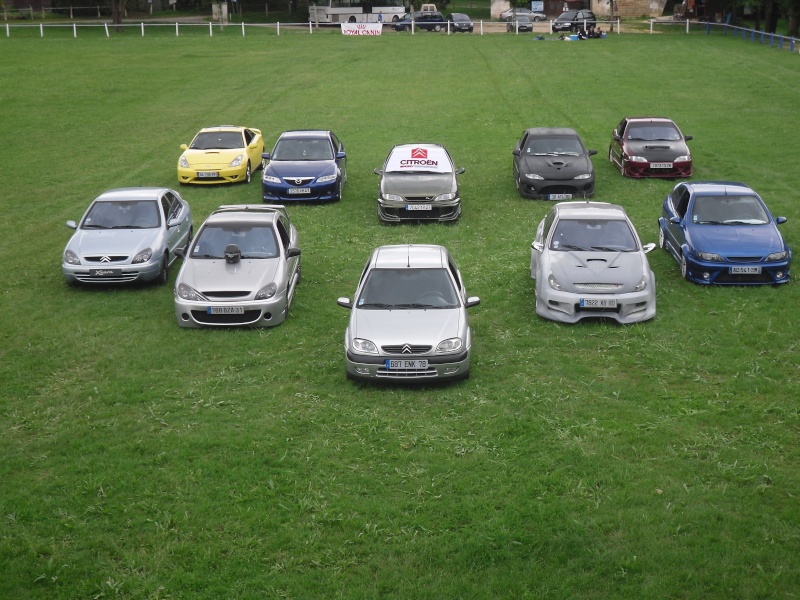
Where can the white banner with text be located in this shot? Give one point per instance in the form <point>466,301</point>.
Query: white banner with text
<point>362,28</point>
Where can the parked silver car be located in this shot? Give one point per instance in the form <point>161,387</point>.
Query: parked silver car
<point>588,261</point>
<point>418,181</point>
<point>242,269</point>
<point>127,235</point>
<point>408,319</point>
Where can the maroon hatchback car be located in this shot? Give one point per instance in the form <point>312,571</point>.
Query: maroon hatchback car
<point>650,147</point>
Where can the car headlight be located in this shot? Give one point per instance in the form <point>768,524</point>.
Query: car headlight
<point>189,293</point>
<point>183,162</point>
<point>236,161</point>
<point>393,197</point>
<point>554,283</point>
<point>451,345</point>
<point>327,178</point>
<point>641,285</point>
<point>533,176</point>
<point>777,256</point>
<point>267,292</point>
<point>269,179</point>
<point>443,197</point>
<point>637,159</point>
<point>583,176</point>
<point>364,346</point>
<point>72,259</point>
<point>143,256</point>
<point>684,158</point>
<point>709,256</point>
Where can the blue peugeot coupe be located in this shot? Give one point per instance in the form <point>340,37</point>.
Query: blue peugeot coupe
<point>304,165</point>
<point>722,232</point>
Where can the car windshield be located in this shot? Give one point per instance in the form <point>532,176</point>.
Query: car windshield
<point>567,16</point>
<point>666,132</point>
<point>593,235</point>
<point>459,17</point>
<point>217,140</point>
<point>728,210</point>
<point>305,149</point>
<point>553,146</point>
<point>253,241</point>
<point>408,288</point>
<point>138,214</point>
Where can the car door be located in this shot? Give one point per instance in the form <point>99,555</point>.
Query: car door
<point>518,153</point>
<point>338,149</point>
<point>617,147</point>
<point>538,244</point>
<point>676,209</point>
<point>253,147</point>
<point>288,236</point>
<point>176,221</point>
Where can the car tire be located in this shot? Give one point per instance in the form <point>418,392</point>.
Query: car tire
<point>163,274</point>
<point>437,27</point>
<point>407,28</point>
<point>684,267</point>
<point>248,174</point>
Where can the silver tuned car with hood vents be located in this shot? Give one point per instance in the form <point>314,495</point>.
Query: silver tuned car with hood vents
<point>588,261</point>
<point>241,269</point>
<point>408,319</point>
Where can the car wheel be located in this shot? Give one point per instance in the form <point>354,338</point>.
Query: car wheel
<point>437,28</point>
<point>407,28</point>
<point>684,267</point>
<point>248,175</point>
<point>163,274</point>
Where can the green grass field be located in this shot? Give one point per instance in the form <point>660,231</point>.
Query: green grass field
<point>140,460</point>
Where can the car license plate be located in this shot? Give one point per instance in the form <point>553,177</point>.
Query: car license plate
<point>225,310</point>
<point>105,272</point>
<point>407,365</point>
<point>299,190</point>
<point>559,197</point>
<point>598,303</point>
<point>208,173</point>
<point>745,270</point>
<point>660,165</point>
<point>418,207</point>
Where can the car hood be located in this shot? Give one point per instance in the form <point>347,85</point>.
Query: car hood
<point>625,268</point>
<point>418,184</point>
<point>657,151</point>
<point>557,167</point>
<point>217,275</point>
<point>423,327</point>
<point>211,159</point>
<point>300,168</point>
<point>87,242</point>
<point>736,240</point>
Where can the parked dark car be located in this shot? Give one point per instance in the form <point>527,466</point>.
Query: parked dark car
<point>573,20</point>
<point>460,22</point>
<point>650,147</point>
<point>428,20</point>
<point>523,23</point>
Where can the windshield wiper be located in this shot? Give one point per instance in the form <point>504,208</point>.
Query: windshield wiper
<point>94,226</point>
<point>566,154</point>
<point>377,305</point>
<point>573,247</point>
<point>610,249</point>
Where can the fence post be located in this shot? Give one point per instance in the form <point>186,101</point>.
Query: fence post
<point>74,30</point>
<point>771,40</point>
<point>41,30</point>
<point>309,28</point>
<point>242,28</point>
<point>70,12</point>
<point>752,35</point>
<point>142,28</point>
<point>651,26</point>
<point>687,26</point>
<point>279,27</point>
<point>106,26</point>
<point>210,30</point>
<point>98,11</point>
<point>619,26</point>
<point>481,27</point>
<point>176,29</point>
<point>8,30</point>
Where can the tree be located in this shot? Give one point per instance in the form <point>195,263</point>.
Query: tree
<point>117,12</point>
<point>515,4</point>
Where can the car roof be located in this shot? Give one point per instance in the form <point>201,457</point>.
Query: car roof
<point>131,193</point>
<point>649,120</point>
<point>223,128</point>
<point>717,188</point>
<point>551,131</point>
<point>415,256</point>
<point>590,210</point>
<point>418,145</point>
<point>305,133</point>
<point>253,213</point>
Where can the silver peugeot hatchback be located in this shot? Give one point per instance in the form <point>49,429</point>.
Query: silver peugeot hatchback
<point>408,319</point>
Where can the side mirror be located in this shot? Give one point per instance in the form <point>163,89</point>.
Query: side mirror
<point>344,303</point>
<point>184,147</point>
<point>180,252</point>
<point>265,155</point>
<point>592,152</point>
<point>292,252</point>
<point>472,301</point>
<point>616,137</point>
<point>516,152</point>
<point>687,137</point>
<point>648,247</point>
<point>675,220</point>
<point>460,170</point>
<point>538,246</point>
<point>377,171</point>
<point>778,220</point>
<point>340,155</point>
<point>72,224</point>
<point>173,223</point>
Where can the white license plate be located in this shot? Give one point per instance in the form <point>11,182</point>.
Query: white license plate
<point>745,270</point>
<point>299,190</point>
<point>208,173</point>
<point>225,310</point>
<point>400,365</point>
<point>660,165</point>
<point>559,197</point>
<point>598,303</point>
<point>418,207</point>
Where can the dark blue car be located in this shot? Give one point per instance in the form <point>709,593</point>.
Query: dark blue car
<point>722,232</point>
<point>304,165</point>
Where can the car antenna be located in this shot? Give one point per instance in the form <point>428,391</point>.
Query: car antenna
<point>408,256</point>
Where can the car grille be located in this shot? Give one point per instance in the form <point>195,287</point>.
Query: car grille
<point>418,374</point>
<point>249,316</point>
<point>121,278</point>
<point>745,259</point>
<point>227,295</point>
<point>419,198</point>
<point>406,349</point>
<point>598,288</point>
<point>725,277</point>
<point>107,258</point>
<point>579,308</point>
<point>299,181</point>
<point>436,212</point>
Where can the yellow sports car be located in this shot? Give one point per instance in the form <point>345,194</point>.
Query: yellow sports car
<point>221,154</point>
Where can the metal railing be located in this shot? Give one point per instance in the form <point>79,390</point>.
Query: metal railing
<point>747,34</point>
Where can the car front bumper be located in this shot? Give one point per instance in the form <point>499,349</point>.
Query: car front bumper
<point>723,273</point>
<point>102,273</point>
<point>222,175</point>
<point>555,189</point>
<point>256,313</point>
<point>645,169</point>
<point>566,306</point>
<point>440,367</point>
<point>274,192</point>
<point>395,211</point>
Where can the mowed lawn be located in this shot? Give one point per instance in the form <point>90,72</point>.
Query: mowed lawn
<point>141,460</point>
